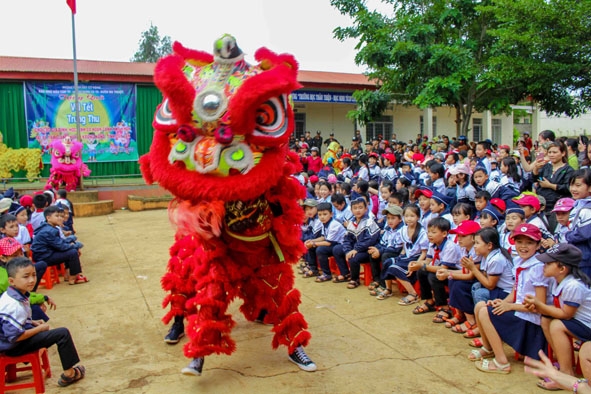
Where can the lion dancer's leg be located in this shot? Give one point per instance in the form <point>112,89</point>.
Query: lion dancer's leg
<point>209,325</point>
<point>269,296</point>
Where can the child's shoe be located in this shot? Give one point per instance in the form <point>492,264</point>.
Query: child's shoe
<point>195,367</point>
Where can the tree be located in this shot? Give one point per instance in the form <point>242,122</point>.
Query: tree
<point>152,47</point>
<point>443,52</point>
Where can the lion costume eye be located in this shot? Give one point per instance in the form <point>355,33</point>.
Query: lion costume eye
<point>271,119</point>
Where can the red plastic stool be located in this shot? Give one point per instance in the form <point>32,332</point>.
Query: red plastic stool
<point>334,269</point>
<point>365,274</point>
<point>416,286</point>
<point>50,277</point>
<point>39,365</point>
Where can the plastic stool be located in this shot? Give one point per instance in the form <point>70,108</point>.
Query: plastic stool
<point>365,274</point>
<point>334,269</point>
<point>39,365</point>
<point>50,277</point>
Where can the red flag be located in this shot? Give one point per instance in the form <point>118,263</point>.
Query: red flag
<point>72,5</point>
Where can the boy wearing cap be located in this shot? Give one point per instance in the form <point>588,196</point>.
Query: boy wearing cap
<point>9,249</point>
<point>321,247</point>
<point>570,314</point>
<point>423,195</point>
<point>389,246</point>
<point>530,205</point>
<point>439,206</point>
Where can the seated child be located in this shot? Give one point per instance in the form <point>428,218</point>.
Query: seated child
<point>481,200</point>
<point>40,203</point>
<point>494,275</point>
<point>321,248</point>
<point>23,237</point>
<point>460,281</point>
<point>342,212</point>
<point>310,229</point>
<point>562,209</point>
<point>49,247</point>
<point>389,246</point>
<point>10,229</point>
<point>490,217</point>
<point>414,247</point>
<point>19,334</point>
<point>423,195</point>
<point>9,249</point>
<point>570,314</point>
<point>440,207</point>
<point>515,217</point>
<point>362,233</point>
<point>509,320</point>
<point>442,252</point>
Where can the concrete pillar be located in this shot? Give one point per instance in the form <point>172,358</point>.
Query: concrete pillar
<point>428,122</point>
<point>486,125</point>
<point>507,130</point>
<point>536,126</point>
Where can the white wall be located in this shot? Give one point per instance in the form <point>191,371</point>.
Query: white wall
<point>565,126</point>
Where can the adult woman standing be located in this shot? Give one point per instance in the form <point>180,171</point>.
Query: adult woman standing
<point>553,177</point>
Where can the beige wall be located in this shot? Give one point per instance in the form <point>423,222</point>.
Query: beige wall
<point>328,118</point>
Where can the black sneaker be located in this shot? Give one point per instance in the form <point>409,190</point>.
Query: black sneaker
<point>195,367</point>
<point>301,359</point>
<point>176,332</point>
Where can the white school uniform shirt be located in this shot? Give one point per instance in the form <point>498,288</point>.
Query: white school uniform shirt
<point>495,264</point>
<point>417,247</point>
<point>389,173</point>
<point>383,205</point>
<point>23,236</point>
<point>560,233</point>
<point>343,216</point>
<point>529,279</point>
<point>466,191</point>
<point>449,254</point>
<point>573,292</point>
<point>347,173</point>
<point>536,221</point>
<point>333,231</point>
<point>507,245</point>
<point>439,185</point>
<point>363,173</point>
<point>426,218</point>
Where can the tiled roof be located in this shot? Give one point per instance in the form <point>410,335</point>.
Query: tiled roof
<point>25,68</point>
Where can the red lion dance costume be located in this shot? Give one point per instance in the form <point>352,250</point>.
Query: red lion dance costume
<point>66,165</point>
<point>220,146</point>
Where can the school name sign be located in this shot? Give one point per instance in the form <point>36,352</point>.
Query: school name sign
<point>106,117</point>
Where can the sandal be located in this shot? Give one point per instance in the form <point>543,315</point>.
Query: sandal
<point>385,294</point>
<point>442,316</point>
<point>353,284</point>
<point>485,366</point>
<point>480,354</point>
<point>463,328</point>
<point>450,323</point>
<point>374,286</point>
<point>323,278</point>
<point>377,291</point>
<point>425,308</point>
<point>340,279</point>
<point>475,343</point>
<point>310,274</point>
<point>79,372</point>
<point>409,299</point>
<point>80,278</point>
<point>472,333</point>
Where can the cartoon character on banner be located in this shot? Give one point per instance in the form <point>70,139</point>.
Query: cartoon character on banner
<point>66,165</point>
<point>220,146</point>
<point>92,142</point>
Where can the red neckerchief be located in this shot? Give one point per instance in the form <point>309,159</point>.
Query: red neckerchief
<point>511,242</point>
<point>517,273</point>
<point>556,299</point>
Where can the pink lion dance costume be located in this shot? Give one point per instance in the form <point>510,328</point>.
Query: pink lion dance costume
<point>66,165</point>
<point>220,146</point>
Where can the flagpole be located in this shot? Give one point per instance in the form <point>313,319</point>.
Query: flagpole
<point>77,104</point>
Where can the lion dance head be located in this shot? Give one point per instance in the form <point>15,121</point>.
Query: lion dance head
<point>223,126</point>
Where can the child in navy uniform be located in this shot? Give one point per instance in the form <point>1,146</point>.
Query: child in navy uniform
<point>19,334</point>
<point>331,234</point>
<point>362,233</point>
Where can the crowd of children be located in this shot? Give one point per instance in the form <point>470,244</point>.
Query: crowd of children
<point>36,232</point>
<point>499,254</point>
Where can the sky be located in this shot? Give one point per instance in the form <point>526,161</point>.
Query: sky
<point>111,29</point>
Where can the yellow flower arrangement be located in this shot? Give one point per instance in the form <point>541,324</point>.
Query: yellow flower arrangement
<point>19,159</point>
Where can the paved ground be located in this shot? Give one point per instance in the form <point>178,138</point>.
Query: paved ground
<point>359,344</point>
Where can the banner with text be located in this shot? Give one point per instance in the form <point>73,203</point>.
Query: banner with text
<point>107,118</point>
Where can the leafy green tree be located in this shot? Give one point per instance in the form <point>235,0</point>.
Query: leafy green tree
<point>152,47</point>
<point>446,52</point>
<point>547,46</point>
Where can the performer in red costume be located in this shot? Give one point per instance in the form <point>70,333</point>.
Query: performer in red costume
<point>221,147</point>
